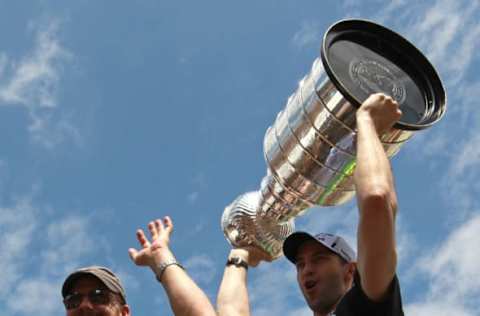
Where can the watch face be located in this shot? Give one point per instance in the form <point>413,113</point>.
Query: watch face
<point>238,262</point>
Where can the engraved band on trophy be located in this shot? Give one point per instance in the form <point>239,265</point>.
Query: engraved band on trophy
<point>310,149</point>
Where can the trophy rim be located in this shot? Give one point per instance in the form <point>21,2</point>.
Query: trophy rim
<point>411,56</point>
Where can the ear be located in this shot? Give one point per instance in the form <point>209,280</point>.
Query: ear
<point>125,310</point>
<point>350,269</point>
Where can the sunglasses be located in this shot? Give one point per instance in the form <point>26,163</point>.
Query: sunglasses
<point>96,297</point>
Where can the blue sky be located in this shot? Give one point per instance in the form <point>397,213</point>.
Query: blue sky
<point>114,113</point>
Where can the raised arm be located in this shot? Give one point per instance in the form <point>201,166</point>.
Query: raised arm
<point>232,299</point>
<point>377,200</point>
<point>186,298</point>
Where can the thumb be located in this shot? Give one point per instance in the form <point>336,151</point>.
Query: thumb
<point>133,254</point>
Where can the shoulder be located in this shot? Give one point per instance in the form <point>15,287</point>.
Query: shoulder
<point>355,302</point>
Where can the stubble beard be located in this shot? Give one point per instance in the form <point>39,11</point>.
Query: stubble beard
<point>328,295</point>
<point>111,311</point>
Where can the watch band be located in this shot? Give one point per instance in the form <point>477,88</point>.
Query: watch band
<point>163,266</point>
<point>238,262</point>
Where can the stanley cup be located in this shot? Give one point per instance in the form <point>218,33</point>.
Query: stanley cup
<point>310,149</point>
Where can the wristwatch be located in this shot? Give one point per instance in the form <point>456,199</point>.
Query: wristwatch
<point>160,269</point>
<point>238,262</point>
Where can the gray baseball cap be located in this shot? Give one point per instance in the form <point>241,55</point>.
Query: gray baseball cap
<point>105,275</point>
<point>335,243</point>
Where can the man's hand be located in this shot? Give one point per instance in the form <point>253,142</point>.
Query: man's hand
<point>251,255</point>
<point>232,299</point>
<point>185,297</point>
<point>382,110</point>
<point>155,252</point>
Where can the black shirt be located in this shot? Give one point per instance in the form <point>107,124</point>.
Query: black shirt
<point>356,303</point>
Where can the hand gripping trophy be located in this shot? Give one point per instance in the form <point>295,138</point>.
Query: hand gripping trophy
<point>310,149</point>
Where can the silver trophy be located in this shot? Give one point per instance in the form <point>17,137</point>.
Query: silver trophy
<point>310,149</point>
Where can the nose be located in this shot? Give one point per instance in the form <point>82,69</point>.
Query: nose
<point>307,269</point>
<point>85,303</point>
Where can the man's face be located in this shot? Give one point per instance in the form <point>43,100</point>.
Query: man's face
<point>321,275</point>
<point>102,306</point>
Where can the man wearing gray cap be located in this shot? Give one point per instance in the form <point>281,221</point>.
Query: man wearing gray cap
<point>104,293</point>
<point>331,278</point>
<point>97,291</point>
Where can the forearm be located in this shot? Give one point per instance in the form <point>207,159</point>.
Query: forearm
<point>373,175</point>
<point>232,297</point>
<point>186,298</point>
<point>377,205</point>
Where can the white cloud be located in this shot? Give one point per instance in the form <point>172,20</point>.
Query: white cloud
<point>36,297</point>
<point>447,31</point>
<point>3,63</point>
<point>130,282</point>
<point>454,276</point>
<point>305,311</point>
<point>17,226</point>
<point>3,174</point>
<point>199,183</point>
<point>468,159</point>
<point>437,309</point>
<point>394,7</point>
<point>37,256</point>
<point>197,229</point>
<point>49,130</point>
<point>455,264</point>
<point>200,180</point>
<point>34,78</point>
<point>201,268</point>
<point>407,248</point>
<point>192,197</point>
<point>32,83</point>
<point>340,220</point>
<point>466,109</point>
<point>309,33</point>
<point>385,9</point>
<point>273,289</point>
<point>67,240</point>
<point>459,185</point>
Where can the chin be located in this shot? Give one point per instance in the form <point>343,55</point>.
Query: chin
<point>323,304</point>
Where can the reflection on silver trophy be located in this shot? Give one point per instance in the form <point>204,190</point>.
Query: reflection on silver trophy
<point>310,149</point>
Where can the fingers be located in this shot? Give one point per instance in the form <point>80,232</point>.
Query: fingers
<point>142,239</point>
<point>382,99</point>
<point>382,96</point>
<point>379,95</point>
<point>164,225</point>
<point>154,230</point>
<point>167,221</point>
<point>133,254</point>
<point>159,226</point>
<point>395,106</point>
